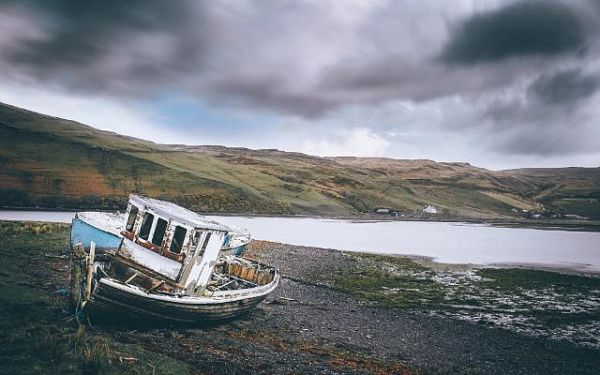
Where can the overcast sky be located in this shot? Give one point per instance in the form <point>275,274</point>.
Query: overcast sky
<point>499,84</point>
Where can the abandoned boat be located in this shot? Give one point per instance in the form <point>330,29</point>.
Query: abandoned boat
<point>169,265</point>
<point>105,230</point>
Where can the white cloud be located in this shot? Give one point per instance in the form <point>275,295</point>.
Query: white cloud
<point>346,142</point>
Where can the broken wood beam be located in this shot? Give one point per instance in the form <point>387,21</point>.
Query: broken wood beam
<point>158,285</point>
<point>131,278</point>
<point>89,274</point>
<point>143,270</point>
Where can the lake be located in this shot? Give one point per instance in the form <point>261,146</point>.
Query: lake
<point>442,241</point>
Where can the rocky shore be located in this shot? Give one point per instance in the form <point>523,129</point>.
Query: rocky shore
<point>319,321</point>
<point>309,326</point>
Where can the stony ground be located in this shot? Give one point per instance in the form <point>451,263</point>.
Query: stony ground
<point>309,326</point>
<point>316,322</point>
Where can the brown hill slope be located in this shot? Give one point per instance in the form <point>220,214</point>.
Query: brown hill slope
<point>50,162</point>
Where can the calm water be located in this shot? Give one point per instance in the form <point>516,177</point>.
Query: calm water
<point>444,242</point>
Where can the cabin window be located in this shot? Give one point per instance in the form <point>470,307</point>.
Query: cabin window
<point>228,238</point>
<point>196,239</point>
<point>178,238</point>
<point>146,226</point>
<point>159,232</point>
<point>205,244</point>
<point>131,219</point>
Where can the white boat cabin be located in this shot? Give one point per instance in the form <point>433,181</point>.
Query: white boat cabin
<point>172,242</point>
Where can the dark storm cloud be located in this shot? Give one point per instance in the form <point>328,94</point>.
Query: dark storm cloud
<point>84,30</point>
<point>564,87</point>
<point>321,59</point>
<point>551,117</point>
<point>297,58</point>
<point>266,92</point>
<point>520,29</point>
<point>142,47</point>
<point>549,97</point>
<point>112,46</point>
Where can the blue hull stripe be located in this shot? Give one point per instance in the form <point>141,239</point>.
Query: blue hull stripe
<point>85,233</point>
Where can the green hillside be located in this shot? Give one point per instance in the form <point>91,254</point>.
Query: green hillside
<point>52,162</point>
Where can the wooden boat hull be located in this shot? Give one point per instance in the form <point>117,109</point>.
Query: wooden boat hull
<point>127,303</point>
<point>115,300</point>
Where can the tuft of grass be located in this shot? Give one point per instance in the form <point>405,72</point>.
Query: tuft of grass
<point>396,282</point>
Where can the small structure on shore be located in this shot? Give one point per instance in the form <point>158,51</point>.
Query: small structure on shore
<point>167,264</point>
<point>430,210</point>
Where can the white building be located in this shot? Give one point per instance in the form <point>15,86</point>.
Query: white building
<point>430,210</point>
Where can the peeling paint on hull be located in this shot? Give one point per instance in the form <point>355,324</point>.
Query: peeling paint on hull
<point>126,303</point>
<point>83,232</point>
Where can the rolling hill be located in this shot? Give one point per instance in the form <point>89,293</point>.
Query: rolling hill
<point>52,162</point>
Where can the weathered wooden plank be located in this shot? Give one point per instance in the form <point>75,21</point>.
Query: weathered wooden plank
<point>144,270</point>
<point>89,274</point>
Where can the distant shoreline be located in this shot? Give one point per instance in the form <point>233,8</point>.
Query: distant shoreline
<point>569,225</point>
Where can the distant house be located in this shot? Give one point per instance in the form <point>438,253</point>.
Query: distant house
<point>430,210</point>
<point>382,210</point>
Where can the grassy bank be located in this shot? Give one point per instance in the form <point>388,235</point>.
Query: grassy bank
<point>39,333</point>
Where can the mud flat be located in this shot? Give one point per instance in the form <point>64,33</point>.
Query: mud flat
<point>335,312</point>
